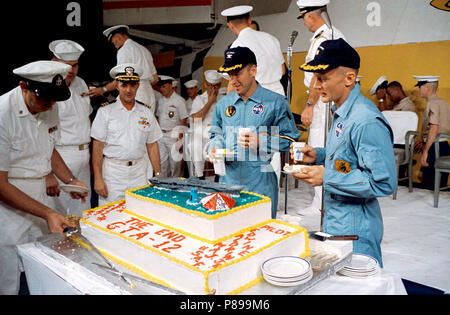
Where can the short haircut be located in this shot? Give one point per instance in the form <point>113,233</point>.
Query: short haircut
<point>394,84</point>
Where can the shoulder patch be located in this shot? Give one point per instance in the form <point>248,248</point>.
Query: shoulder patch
<point>143,104</point>
<point>107,103</point>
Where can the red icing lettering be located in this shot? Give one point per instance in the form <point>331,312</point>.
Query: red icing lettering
<point>168,249</point>
<point>139,235</point>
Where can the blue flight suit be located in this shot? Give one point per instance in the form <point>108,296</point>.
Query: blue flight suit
<point>359,167</point>
<point>266,113</point>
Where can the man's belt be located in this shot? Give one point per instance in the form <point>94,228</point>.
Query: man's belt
<point>80,147</point>
<point>125,163</point>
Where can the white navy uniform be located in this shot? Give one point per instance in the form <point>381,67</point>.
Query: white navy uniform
<point>125,134</point>
<point>317,127</point>
<point>200,145</point>
<point>26,146</point>
<point>73,145</point>
<point>133,52</point>
<point>269,57</point>
<point>170,111</point>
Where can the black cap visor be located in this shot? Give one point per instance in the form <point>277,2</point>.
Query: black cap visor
<point>49,91</point>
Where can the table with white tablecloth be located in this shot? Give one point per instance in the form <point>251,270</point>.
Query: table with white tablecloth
<point>49,272</point>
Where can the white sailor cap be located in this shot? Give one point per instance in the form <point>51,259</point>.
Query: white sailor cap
<point>423,79</point>
<point>306,6</point>
<point>66,50</point>
<point>191,83</point>
<point>237,12</point>
<point>163,79</point>
<point>46,79</point>
<point>213,77</point>
<point>110,32</point>
<point>380,83</point>
<point>126,72</point>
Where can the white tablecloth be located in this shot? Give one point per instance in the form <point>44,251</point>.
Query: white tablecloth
<point>47,273</point>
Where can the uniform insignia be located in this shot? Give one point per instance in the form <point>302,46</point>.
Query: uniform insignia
<point>107,103</point>
<point>144,121</point>
<point>258,109</point>
<point>52,129</point>
<point>171,114</point>
<point>230,111</point>
<point>143,104</point>
<point>58,80</point>
<point>342,166</point>
<point>338,131</point>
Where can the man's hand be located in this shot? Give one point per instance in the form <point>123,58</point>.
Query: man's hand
<point>423,159</point>
<point>57,222</point>
<point>100,188</point>
<point>99,91</point>
<point>249,140</point>
<point>75,195</point>
<point>211,155</point>
<point>307,115</point>
<point>313,175</point>
<point>52,185</point>
<point>309,154</point>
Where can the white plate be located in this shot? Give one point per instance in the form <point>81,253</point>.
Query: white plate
<point>285,267</point>
<point>289,169</point>
<point>73,188</point>
<point>291,279</point>
<point>358,275</point>
<point>361,262</point>
<point>291,283</point>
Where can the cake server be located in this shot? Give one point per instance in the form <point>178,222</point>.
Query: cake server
<point>146,281</point>
<point>321,236</point>
<point>70,231</point>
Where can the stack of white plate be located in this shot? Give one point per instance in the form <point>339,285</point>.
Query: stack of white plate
<point>286,271</point>
<point>361,266</point>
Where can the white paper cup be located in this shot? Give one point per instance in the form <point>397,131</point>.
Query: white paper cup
<point>243,131</point>
<point>219,167</point>
<point>298,155</point>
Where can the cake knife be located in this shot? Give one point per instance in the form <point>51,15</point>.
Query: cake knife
<point>146,281</point>
<point>70,231</point>
<point>324,236</point>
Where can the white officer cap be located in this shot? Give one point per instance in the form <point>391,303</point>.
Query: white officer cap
<point>65,49</point>
<point>163,79</point>
<point>423,79</point>
<point>191,83</point>
<point>381,82</point>
<point>126,72</point>
<point>237,12</point>
<point>306,6</point>
<point>46,78</point>
<point>110,32</point>
<point>213,77</point>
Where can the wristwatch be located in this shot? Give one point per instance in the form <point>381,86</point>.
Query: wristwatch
<point>309,104</point>
<point>70,180</point>
<point>157,173</point>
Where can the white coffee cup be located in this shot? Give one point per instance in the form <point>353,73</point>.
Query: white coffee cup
<point>219,166</point>
<point>298,155</point>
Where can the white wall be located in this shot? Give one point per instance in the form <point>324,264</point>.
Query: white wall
<point>400,22</point>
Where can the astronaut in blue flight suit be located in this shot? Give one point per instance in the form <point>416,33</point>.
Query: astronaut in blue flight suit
<point>359,162</point>
<point>271,123</point>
